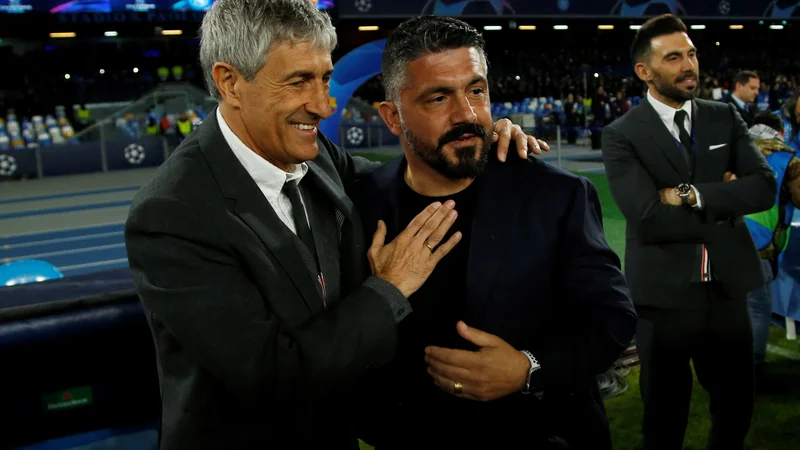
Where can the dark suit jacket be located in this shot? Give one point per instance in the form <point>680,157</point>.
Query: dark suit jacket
<point>541,277</point>
<point>247,355</point>
<point>641,157</point>
<point>748,117</point>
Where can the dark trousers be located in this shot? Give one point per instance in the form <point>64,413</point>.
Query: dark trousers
<point>713,331</point>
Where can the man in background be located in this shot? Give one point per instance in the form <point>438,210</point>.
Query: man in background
<point>507,336</point>
<point>745,92</point>
<point>690,260</point>
<point>770,228</point>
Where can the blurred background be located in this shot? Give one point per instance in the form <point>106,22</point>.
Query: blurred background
<point>95,94</point>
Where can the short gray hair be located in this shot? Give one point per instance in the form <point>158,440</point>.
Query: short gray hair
<point>242,32</point>
<point>419,37</point>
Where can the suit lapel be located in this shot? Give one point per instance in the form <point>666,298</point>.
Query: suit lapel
<point>664,139</point>
<point>497,205</point>
<point>701,124</point>
<point>252,207</point>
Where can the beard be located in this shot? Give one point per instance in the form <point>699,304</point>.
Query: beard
<point>671,90</point>
<point>470,160</point>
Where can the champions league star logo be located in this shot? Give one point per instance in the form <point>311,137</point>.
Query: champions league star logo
<point>778,9</point>
<point>8,165</point>
<point>135,154</point>
<point>458,7</point>
<point>642,8</point>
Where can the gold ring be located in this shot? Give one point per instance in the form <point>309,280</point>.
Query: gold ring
<point>429,246</point>
<point>457,388</point>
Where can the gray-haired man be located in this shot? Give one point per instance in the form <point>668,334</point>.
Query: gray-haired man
<point>248,255</point>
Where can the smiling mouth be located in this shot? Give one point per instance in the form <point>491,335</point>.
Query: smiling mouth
<point>304,127</point>
<point>465,137</point>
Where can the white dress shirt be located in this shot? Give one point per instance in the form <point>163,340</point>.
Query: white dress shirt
<point>268,177</point>
<point>667,115</point>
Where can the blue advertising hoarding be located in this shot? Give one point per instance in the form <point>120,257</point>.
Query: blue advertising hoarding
<point>108,6</point>
<point>783,9</point>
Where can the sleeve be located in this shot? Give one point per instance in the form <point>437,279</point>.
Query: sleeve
<point>637,196</point>
<point>192,283</point>
<point>754,189</point>
<point>597,293</point>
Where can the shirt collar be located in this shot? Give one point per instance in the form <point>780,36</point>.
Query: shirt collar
<point>742,105</point>
<point>270,179</point>
<point>667,113</point>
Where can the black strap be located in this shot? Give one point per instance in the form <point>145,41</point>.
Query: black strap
<point>291,189</point>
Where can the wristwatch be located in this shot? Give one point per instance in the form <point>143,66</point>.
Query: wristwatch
<point>533,383</point>
<point>684,191</point>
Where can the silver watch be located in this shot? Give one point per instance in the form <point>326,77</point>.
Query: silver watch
<point>535,366</point>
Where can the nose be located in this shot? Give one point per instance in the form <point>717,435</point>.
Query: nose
<point>463,112</point>
<point>688,65</point>
<point>319,103</point>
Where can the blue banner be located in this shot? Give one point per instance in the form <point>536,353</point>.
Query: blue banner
<point>351,71</point>
<point>71,159</point>
<point>782,9</point>
<point>17,163</point>
<point>134,153</point>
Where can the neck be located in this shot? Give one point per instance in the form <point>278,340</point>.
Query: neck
<point>233,119</point>
<point>671,102</point>
<point>423,180</point>
<point>739,97</point>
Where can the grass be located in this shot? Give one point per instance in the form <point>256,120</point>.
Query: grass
<point>776,417</point>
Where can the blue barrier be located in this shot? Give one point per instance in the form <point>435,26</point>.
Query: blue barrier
<point>27,271</point>
<point>17,163</point>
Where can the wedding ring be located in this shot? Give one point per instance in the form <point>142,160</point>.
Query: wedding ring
<point>457,388</point>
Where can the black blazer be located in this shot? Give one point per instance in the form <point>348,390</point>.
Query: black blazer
<point>641,157</point>
<point>247,355</point>
<point>542,277</point>
<point>748,117</point>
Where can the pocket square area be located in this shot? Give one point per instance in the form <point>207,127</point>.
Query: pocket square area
<point>714,147</point>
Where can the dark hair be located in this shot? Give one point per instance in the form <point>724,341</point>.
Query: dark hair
<point>789,111</point>
<point>657,26</point>
<point>421,36</point>
<point>744,77</point>
<point>769,119</point>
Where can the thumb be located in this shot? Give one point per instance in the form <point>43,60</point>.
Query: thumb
<point>379,237</point>
<point>476,336</point>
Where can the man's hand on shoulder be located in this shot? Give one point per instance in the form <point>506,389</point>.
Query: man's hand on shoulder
<point>505,131</point>
<point>409,259</point>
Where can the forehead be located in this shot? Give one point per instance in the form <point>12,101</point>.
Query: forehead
<point>675,42</point>
<point>285,57</point>
<point>454,66</point>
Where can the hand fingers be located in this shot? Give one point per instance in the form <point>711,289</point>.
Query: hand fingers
<point>436,237</point>
<point>419,221</point>
<point>433,222</point>
<point>522,142</point>
<point>444,249</point>
<point>448,385</point>
<point>504,138</point>
<point>533,145</point>
<point>452,357</point>
<point>448,371</point>
<point>543,145</point>
<point>378,239</point>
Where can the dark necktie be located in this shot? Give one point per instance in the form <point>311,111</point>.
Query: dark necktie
<point>292,191</point>
<point>680,121</point>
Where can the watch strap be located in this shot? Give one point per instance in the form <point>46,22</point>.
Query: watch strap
<point>534,367</point>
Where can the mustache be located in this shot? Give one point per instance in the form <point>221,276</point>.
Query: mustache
<point>460,130</point>
<point>686,75</point>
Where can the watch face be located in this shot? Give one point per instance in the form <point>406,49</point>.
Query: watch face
<point>684,189</point>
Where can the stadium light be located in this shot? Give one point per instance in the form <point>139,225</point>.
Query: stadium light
<point>492,27</point>
<point>66,76</point>
<point>698,27</point>
<point>776,27</point>
<point>67,34</point>
<point>111,33</point>
<point>527,27</point>
<point>596,75</point>
<point>368,28</point>
<point>135,70</point>
<point>635,27</point>
<point>102,71</point>
<point>605,27</point>
<point>717,43</point>
<point>560,27</point>
<point>171,32</point>
<point>736,27</point>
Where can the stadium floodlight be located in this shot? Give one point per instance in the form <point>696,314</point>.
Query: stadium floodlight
<point>111,33</point>
<point>62,35</point>
<point>776,27</point>
<point>527,27</point>
<point>698,27</point>
<point>492,28</point>
<point>368,28</point>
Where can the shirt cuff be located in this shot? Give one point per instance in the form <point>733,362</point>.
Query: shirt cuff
<point>398,303</point>
<point>699,203</point>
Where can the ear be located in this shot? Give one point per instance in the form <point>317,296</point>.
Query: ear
<point>229,83</point>
<point>643,72</point>
<point>391,117</point>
